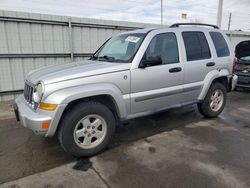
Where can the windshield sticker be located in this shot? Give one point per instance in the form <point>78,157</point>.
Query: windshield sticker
<point>132,39</point>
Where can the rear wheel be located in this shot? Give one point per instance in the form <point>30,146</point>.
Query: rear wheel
<point>214,102</point>
<point>86,129</point>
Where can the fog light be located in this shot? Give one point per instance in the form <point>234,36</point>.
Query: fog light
<point>48,107</point>
<point>46,124</point>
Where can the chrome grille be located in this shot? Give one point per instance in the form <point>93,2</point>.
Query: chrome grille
<point>28,92</point>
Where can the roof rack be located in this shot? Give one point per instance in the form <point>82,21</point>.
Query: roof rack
<point>201,24</point>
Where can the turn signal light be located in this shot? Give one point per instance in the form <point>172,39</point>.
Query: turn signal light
<point>45,125</point>
<point>46,106</point>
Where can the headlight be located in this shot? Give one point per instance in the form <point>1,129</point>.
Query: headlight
<point>38,92</point>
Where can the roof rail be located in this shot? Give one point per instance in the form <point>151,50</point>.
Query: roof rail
<point>201,24</point>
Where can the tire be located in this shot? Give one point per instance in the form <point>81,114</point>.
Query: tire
<point>77,128</point>
<point>212,108</point>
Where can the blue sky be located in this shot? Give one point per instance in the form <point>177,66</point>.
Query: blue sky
<point>147,11</point>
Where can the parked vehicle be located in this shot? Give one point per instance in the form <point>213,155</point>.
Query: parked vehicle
<point>242,64</point>
<point>133,74</point>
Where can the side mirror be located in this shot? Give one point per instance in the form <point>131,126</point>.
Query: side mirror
<point>151,61</point>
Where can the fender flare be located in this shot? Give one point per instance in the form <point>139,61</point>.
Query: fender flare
<point>210,77</point>
<point>64,96</point>
<point>67,95</point>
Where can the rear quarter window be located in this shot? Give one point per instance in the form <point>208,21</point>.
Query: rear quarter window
<point>220,44</point>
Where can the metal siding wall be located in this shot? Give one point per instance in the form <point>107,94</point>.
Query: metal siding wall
<point>49,34</point>
<point>6,75</point>
<point>236,38</point>
<point>22,37</point>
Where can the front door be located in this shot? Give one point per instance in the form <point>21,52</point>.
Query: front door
<point>157,87</point>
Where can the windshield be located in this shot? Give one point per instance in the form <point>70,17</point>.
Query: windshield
<point>121,48</point>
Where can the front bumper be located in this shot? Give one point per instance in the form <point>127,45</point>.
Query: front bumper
<point>29,118</point>
<point>243,81</point>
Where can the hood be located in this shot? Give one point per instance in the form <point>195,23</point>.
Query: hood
<point>242,49</point>
<point>79,69</point>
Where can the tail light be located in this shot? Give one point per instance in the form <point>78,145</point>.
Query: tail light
<point>235,62</point>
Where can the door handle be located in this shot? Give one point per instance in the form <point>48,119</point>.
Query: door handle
<point>210,64</point>
<point>176,69</point>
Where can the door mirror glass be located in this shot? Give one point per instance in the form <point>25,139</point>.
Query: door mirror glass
<point>151,61</point>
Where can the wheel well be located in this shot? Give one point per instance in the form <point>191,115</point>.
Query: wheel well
<point>106,100</point>
<point>223,80</point>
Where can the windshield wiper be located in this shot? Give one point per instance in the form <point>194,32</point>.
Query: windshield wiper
<point>93,57</point>
<point>105,57</point>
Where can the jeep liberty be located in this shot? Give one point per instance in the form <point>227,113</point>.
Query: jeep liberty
<point>132,74</point>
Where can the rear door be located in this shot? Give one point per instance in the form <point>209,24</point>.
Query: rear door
<point>198,63</point>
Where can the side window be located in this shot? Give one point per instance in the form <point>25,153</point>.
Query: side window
<point>165,46</point>
<point>220,44</point>
<point>196,45</point>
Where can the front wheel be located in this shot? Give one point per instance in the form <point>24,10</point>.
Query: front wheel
<point>86,129</point>
<point>214,102</point>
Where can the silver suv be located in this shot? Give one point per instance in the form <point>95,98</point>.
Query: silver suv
<point>132,74</point>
